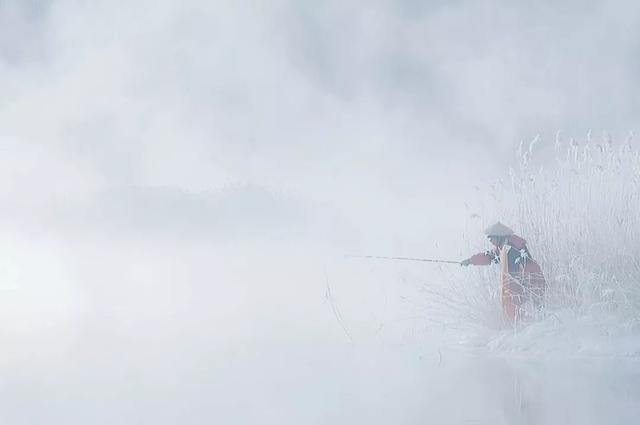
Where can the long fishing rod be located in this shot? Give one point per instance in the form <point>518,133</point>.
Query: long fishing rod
<point>427,260</point>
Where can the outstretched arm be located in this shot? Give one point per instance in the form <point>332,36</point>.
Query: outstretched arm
<point>481,259</point>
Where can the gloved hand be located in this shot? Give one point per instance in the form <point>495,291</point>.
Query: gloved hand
<point>465,263</point>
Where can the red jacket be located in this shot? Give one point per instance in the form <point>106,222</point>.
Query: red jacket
<point>520,276</point>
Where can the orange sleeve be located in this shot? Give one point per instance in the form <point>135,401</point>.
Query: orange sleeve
<point>483,258</point>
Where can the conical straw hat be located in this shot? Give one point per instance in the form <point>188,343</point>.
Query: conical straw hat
<point>498,229</point>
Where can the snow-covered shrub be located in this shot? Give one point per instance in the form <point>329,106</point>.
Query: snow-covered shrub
<point>581,216</point>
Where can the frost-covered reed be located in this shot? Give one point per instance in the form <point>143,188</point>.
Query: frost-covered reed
<point>581,216</point>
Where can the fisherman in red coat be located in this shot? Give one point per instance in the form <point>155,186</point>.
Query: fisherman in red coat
<point>521,277</point>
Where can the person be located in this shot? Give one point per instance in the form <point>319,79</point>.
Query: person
<point>520,275</point>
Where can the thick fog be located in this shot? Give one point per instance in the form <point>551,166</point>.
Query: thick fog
<point>187,186</point>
